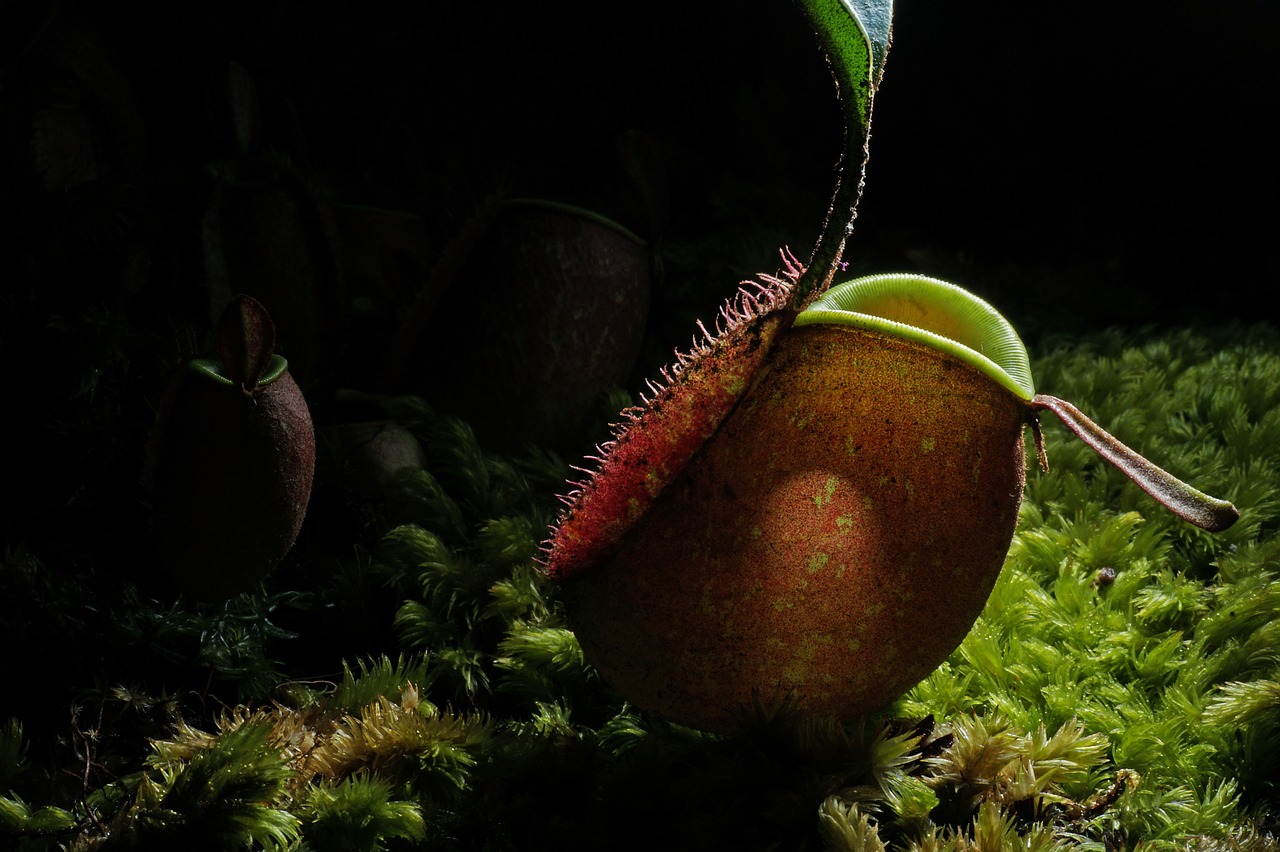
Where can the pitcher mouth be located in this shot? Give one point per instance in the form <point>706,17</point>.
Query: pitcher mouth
<point>934,313</point>
<point>212,369</point>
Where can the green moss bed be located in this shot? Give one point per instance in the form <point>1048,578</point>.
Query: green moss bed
<point>419,689</point>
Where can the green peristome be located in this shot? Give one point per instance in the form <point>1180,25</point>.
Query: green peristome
<point>211,369</point>
<point>935,313</point>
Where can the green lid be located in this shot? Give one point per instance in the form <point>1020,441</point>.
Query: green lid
<point>934,313</point>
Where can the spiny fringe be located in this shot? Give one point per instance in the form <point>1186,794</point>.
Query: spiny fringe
<point>754,298</point>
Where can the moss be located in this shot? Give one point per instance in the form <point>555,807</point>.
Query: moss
<point>1121,690</point>
<point>1110,612</point>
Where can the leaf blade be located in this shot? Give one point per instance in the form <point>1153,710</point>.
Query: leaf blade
<point>855,35</point>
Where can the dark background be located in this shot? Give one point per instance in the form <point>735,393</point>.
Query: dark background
<point>1117,161</point>
<point>1112,162</point>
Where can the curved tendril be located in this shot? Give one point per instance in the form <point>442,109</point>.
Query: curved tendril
<point>1186,502</point>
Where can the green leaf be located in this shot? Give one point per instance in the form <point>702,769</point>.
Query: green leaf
<point>13,751</point>
<point>844,828</point>
<point>358,813</point>
<point>380,677</point>
<point>226,796</point>
<point>855,36</point>
<point>18,818</point>
<point>1242,703</point>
